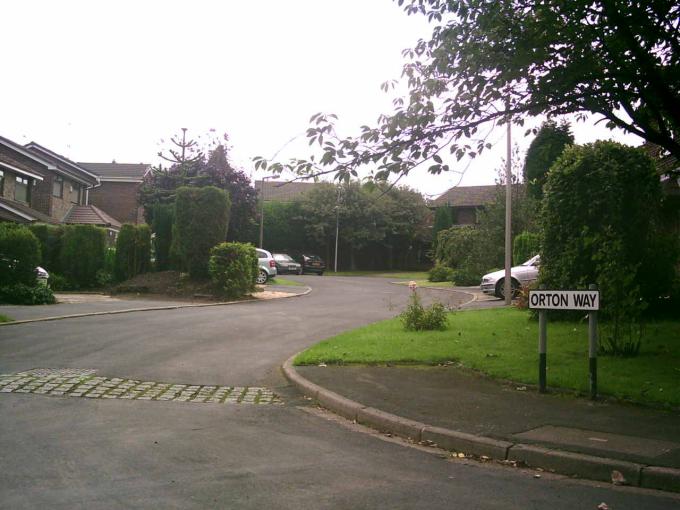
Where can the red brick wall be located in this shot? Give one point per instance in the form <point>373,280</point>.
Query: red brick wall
<point>118,199</point>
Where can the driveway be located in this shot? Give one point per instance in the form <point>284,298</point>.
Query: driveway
<point>78,452</point>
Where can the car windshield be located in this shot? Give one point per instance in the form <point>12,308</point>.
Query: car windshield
<point>283,257</point>
<point>533,261</point>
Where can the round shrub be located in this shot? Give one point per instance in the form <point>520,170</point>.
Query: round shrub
<point>19,255</point>
<point>440,273</point>
<point>233,268</point>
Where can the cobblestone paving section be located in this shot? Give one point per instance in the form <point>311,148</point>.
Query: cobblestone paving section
<point>83,383</point>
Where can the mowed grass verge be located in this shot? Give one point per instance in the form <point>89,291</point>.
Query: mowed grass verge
<point>397,275</point>
<point>503,343</point>
<point>285,282</point>
<point>4,318</point>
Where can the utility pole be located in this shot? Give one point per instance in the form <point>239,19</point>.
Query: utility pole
<point>508,213</point>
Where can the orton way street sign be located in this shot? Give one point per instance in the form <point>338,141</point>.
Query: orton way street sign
<point>544,300</point>
<point>564,300</point>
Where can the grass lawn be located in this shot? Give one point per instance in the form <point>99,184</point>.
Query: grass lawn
<point>4,318</point>
<point>397,275</point>
<point>503,343</point>
<point>284,282</point>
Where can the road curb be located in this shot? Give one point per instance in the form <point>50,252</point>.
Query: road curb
<point>558,461</point>
<point>147,309</point>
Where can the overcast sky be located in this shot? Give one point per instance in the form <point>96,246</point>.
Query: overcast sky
<point>97,81</point>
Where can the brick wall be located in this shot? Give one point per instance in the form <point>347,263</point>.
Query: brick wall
<point>118,199</point>
<point>41,196</point>
<point>61,206</point>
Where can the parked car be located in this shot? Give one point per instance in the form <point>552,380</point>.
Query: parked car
<point>41,275</point>
<point>313,264</point>
<point>494,283</point>
<point>267,266</point>
<point>285,264</point>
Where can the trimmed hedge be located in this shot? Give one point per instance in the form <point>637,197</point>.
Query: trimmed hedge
<point>163,218</point>
<point>19,255</point>
<point>601,225</point>
<point>133,251</point>
<point>233,268</point>
<point>201,220</point>
<point>50,245</point>
<point>525,246</point>
<point>83,251</point>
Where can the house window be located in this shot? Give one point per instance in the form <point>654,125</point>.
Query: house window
<point>22,189</point>
<point>58,187</point>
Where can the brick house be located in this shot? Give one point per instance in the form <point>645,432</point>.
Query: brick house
<point>465,201</point>
<point>284,191</point>
<point>39,185</point>
<point>117,192</point>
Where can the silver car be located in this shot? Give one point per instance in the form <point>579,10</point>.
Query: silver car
<point>494,283</point>
<point>267,266</point>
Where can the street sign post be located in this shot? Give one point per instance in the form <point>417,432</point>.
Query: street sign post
<point>585,300</point>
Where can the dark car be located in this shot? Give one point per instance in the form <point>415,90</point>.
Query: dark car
<point>285,264</point>
<point>313,264</point>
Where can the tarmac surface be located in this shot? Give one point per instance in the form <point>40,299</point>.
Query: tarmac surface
<point>61,452</point>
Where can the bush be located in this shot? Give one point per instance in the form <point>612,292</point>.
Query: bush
<point>83,250</point>
<point>440,273</point>
<point>525,246</point>
<point>233,268</point>
<point>133,251</point>
<point>58,282</point>
<point>600,223</point>
<point>418,318</point>
<point>201,220</point>
<point>50,245</point>
<point>19,255</point>
<point>20,294</point>
<point>466,276</point>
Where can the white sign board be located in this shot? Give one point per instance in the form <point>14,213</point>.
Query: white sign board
<point>564,300</point>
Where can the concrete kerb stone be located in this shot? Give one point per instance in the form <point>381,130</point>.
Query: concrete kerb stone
<point>147,309</point>
<point>558,461</point>
<point>663,478</point>
<point>390,423</point>
<point>575,464</point>
<point>469,443</point>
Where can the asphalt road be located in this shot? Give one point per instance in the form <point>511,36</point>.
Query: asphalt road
<point>95,453</point>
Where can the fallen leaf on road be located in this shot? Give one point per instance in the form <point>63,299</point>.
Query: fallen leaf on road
<point>461,455</point>
<point>322,365</point>
<point>537,475</point>
<point>603,506</point>
<point>618,478</point>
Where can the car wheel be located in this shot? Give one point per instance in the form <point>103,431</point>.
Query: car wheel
<point>500,288</point>
<point>320,273</point>
<point>262,277</point>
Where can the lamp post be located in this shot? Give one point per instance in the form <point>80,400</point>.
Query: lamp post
<point>262,210</point>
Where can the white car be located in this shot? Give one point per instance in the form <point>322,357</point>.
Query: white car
<point>267,266</point>
<point>494,283</point>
